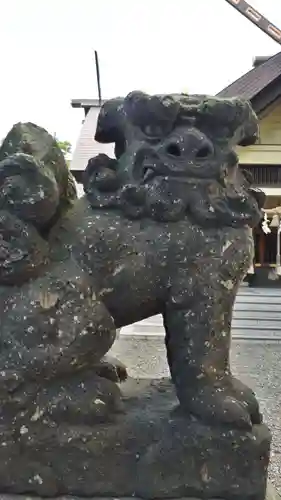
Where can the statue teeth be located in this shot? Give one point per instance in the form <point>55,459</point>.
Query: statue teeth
<point>148,173</point>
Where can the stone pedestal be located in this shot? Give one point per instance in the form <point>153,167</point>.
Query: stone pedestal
<point>150,451</point>
<point>270,495</point>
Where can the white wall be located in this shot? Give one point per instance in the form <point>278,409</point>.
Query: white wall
<point>80,191</point>
<point>86,146</point>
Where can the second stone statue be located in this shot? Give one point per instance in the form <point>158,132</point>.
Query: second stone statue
<point>164,227</point>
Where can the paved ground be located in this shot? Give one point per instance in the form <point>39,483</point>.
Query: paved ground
<point>258,364</point>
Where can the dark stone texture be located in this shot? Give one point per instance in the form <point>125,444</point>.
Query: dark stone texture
<point>151,451</point>
<point>270,495</point>
<point>256,363</point>
<point>29,152</point>
<point>163,228</point>
<point>36,188</point>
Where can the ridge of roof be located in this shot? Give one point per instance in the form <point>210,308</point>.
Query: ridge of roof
<point>260,60</point>
<point>87,103</point>
<point>253,82</point>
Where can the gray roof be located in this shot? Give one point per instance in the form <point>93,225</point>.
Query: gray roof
<point>253,82</point>
<point>87,103</point>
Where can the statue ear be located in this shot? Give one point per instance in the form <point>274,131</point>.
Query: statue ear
<point>247,123</point>
<point>113,114</point>
<point>110,123</point>
<point>235,117</point>
<point>155,113</point>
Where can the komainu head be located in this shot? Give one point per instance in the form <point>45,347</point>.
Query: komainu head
<point>175,157</point>
<point>35,182</point>
<point>36,189</point>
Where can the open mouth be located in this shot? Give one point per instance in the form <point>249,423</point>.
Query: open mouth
<point>150,166</point>
<point>153,167</point>
<point>148,173</point>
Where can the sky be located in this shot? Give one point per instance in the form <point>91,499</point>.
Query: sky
<point>47,53</point>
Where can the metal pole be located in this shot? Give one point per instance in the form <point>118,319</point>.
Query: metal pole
<point>98,75</point>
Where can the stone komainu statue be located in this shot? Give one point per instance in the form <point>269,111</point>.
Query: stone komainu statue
<point>165,227</point>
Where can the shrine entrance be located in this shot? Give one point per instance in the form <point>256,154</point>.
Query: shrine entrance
<point>266,268</point>
<point>265,248</point>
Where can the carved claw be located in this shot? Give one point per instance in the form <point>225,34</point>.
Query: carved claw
<point>247,397</point>
<point>111,368</point>
<point>222,409</point>
<point>227,402</point>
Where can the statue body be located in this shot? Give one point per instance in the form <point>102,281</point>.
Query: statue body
<point>165,228</point>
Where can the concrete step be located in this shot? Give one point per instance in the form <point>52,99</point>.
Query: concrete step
<point>253,324</point>
<point>263,307</point>
<point>144,327</point>
<point>262,316</point>
<point>258,289</point>
<point>250,299</point>
<point>237,334</point>
<point>256,315</point>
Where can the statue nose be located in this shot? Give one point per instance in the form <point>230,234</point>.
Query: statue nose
<point>192,145</point>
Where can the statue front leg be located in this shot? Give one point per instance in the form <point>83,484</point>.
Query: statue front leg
<point>197,321</point>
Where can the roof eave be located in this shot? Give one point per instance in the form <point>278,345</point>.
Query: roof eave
<point>86,103</point>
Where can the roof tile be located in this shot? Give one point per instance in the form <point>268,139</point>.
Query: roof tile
<point>253,82</point>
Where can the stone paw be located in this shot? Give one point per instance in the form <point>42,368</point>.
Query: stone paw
<point>83,399</point>
<point>228,401</point>
<point>111,368</point>
<point>247,397</point>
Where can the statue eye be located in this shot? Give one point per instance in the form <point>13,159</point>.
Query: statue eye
<point>153,131</point>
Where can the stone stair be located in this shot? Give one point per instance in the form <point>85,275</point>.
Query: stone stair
<point>256,316</point>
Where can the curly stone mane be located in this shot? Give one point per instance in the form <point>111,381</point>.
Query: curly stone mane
<point>175,157</point>
<point>36,189</point>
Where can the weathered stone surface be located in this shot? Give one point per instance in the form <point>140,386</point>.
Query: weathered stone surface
<point>271,494</point>
<point>163,228</point>
<point>150,450</point>
<point>36,188</point>
<point>49,171</point>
